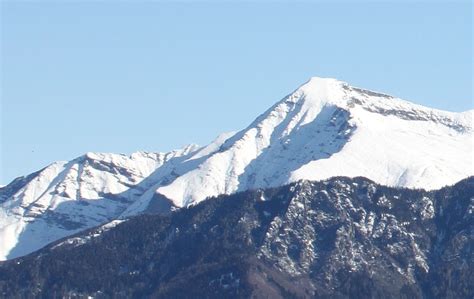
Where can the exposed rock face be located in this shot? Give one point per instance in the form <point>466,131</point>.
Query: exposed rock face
<point>337,238</point>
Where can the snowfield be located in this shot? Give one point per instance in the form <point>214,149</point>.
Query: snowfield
<point>327,128</point>
<point>324,128</point>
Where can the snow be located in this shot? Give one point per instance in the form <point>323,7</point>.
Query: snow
<point>415,154</point>
<point>327,128</point>
<point>324,128</point>
<point>68,197</point>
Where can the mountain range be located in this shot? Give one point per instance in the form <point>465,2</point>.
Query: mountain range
<point>325,128</point>
<point>337,238</point>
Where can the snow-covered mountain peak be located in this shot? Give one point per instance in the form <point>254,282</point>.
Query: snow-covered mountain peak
<point>324,128</point>
<point>66,197</point>
<point>322,89</point>
<point>319,92</point>
<point>328,128</point>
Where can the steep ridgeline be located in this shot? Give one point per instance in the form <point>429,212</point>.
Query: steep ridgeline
<point>324,128</point>
<point>339,238</point>
<point>67,197</point>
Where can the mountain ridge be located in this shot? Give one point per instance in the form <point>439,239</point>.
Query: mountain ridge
<point>341,237</point>
<point>325,128</point>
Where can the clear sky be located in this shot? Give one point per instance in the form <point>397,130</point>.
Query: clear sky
<point>98,76</point>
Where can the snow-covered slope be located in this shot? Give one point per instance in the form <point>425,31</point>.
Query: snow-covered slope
<point>327,128</point>
<point>324,128</point>
<point>67,197</point>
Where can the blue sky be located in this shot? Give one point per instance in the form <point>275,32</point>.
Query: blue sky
<point>98,76</point>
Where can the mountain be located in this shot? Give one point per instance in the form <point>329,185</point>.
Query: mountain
<point>325,128</point>
<point>337,238</point>
<point>67,197</point>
